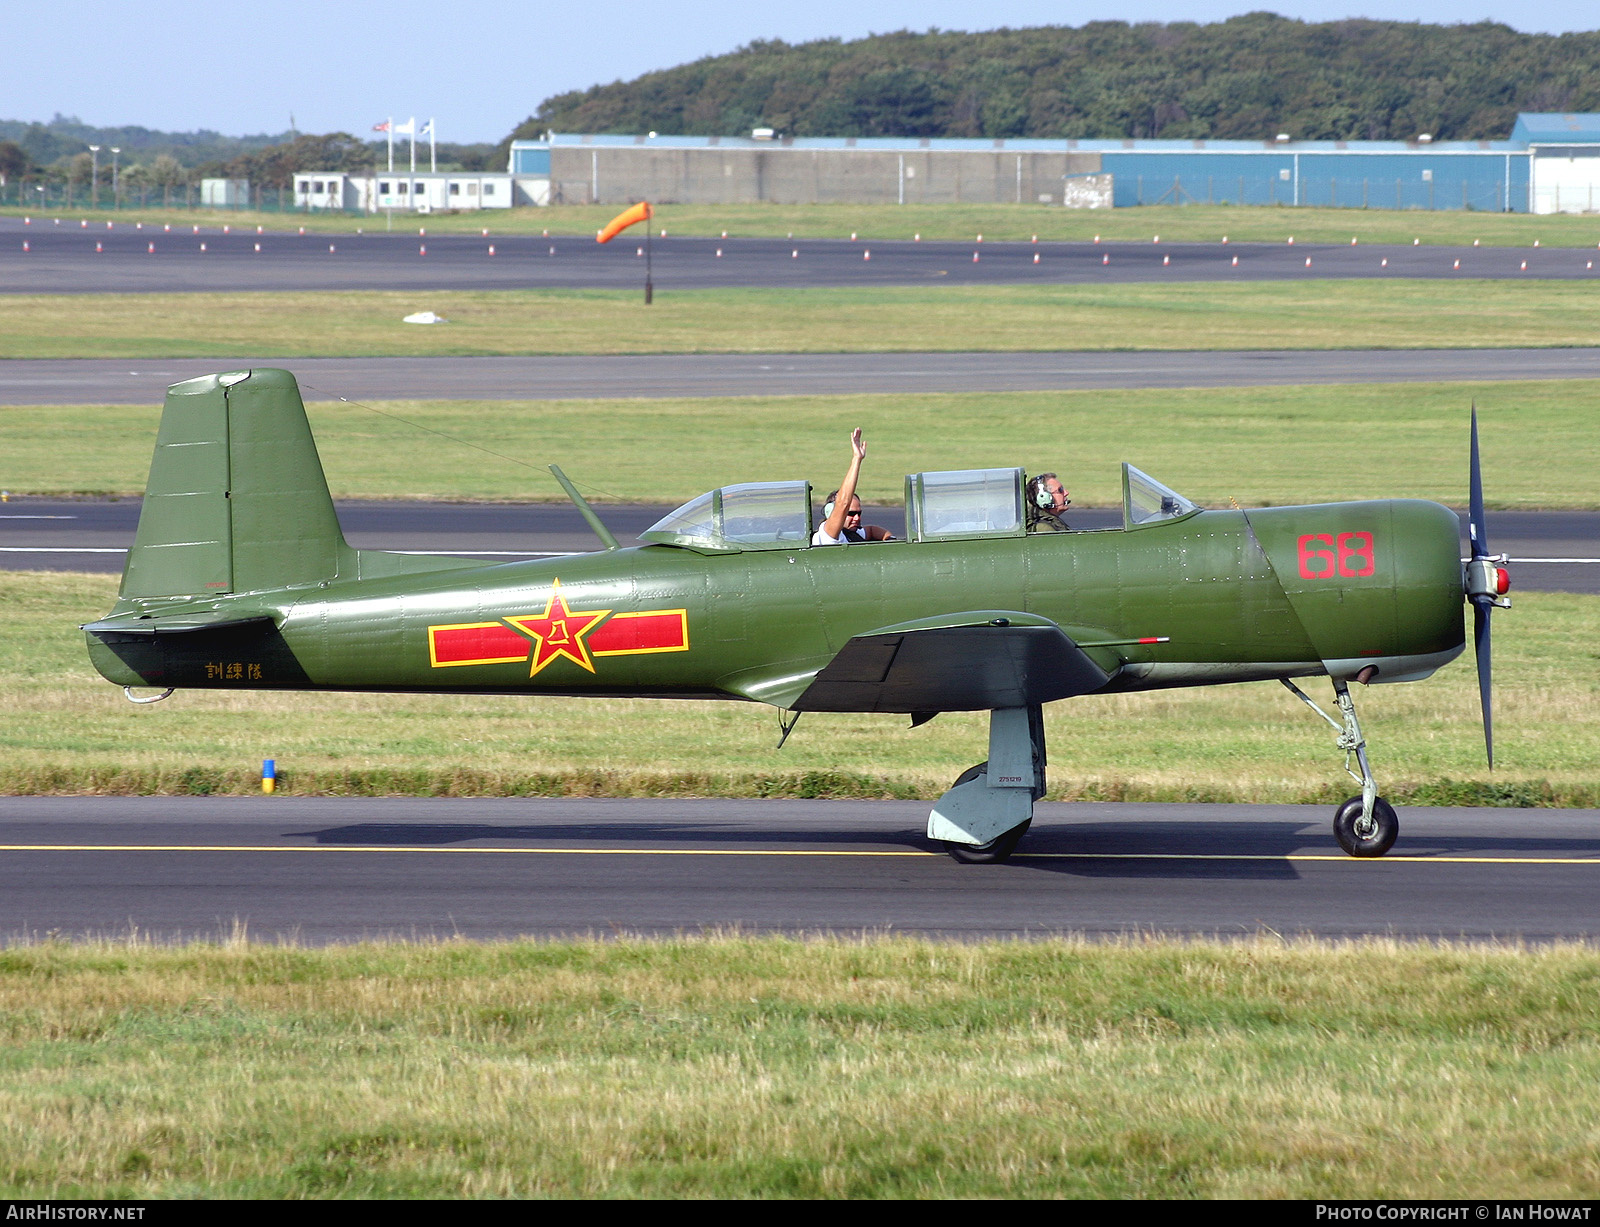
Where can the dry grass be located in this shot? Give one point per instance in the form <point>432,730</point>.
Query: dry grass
<point>782,1068</point>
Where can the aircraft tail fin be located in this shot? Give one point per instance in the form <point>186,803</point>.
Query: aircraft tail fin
<point>237,500</point>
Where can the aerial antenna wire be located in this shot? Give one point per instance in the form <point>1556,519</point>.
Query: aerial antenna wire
<point>452,438</point>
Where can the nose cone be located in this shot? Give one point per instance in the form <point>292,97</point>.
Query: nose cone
<point>1428,581</point>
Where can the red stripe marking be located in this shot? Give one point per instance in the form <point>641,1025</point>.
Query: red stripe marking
<point>664,630</point>
<point>493,641</point>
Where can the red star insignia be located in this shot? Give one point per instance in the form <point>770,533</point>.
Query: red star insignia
<point>558,631</point>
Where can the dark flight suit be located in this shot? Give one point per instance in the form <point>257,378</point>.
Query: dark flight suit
<point>1041,520</point>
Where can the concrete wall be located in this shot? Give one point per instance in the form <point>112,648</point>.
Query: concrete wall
<point>782,175</point>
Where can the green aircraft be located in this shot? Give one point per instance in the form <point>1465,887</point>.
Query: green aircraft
<point>240,579</point>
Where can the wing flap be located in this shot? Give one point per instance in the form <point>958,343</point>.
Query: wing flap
<point>961,662</point>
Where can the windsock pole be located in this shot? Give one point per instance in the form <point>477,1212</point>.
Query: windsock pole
<point>641,212</point>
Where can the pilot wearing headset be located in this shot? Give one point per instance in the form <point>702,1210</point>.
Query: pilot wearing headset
<point>1046,499</point>
<point>841,515</point>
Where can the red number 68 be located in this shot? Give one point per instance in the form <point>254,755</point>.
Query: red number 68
<point>1351,556</point>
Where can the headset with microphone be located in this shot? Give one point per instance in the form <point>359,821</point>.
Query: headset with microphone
<point>1042,498</point>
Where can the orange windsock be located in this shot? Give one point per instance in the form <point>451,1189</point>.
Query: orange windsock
<point>641,212</point>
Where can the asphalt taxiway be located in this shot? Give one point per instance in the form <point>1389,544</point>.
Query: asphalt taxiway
<point>319,870</point>
<point>92,381</point>
<point>44,257</point>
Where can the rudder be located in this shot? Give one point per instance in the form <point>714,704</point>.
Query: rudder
<point>237,500</point>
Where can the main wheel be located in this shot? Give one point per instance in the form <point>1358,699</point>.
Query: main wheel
<point>993,852</point>
<point>1365,839</point>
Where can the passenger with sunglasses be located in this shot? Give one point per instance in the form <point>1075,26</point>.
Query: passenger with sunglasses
<point>841,515</point>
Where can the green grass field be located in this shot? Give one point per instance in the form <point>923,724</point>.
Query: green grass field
<point>1257,445</point>
<point>1005,222</point>
<point>741,1068</point>
<point>1401,314</point>
<point>65,730</point>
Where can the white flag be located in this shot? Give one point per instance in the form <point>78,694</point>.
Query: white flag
<point>405,129</point>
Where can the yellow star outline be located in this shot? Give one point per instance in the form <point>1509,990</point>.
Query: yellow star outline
<point>559,631</point>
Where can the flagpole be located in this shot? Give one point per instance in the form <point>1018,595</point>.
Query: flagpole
<point>413,134</point>
<point>433,150</point>
<point>390,135</point>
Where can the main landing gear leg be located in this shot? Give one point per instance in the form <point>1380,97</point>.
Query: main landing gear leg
<point>990,806</point>
<point>1364,825</point>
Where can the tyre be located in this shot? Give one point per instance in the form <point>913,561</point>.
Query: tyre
<point>993,852</point>
<point>1347,828</point>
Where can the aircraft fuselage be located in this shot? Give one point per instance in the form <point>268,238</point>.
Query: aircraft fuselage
<point>1219,596</point>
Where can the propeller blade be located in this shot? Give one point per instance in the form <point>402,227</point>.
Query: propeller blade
<point>1480,643</point>
<point>1476,526</point>
<point>1481,591</point>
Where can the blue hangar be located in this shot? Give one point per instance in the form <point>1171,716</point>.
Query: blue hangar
<point>1549,164</point>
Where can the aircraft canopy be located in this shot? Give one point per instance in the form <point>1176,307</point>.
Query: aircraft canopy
<point>757,515</point>
<point>1146,501</point>
<point>964,503</point>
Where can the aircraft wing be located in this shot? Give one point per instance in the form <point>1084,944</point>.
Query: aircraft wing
<point>970,661</point>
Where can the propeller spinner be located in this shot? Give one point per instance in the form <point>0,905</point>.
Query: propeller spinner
<point>1487,582</point>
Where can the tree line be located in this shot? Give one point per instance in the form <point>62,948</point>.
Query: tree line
<point>1247,78</point>
<point>163,167</point>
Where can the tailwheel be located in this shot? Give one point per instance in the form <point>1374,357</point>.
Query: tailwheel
<point>1361,836</point>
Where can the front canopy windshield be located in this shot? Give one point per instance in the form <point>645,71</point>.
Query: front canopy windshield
<point>1146,501</point>
<point>760,515</point>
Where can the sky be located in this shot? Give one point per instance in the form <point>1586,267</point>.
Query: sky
<point>480,68</point>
